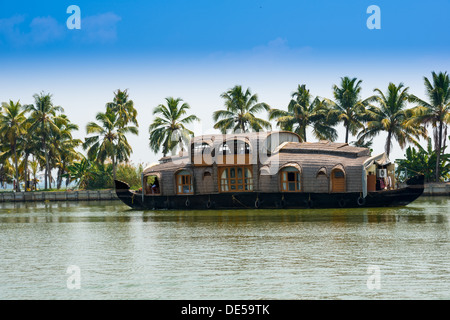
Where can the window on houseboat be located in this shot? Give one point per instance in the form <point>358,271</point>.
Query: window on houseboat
<point>290,180</point>
<point>337,181</point>
<point>234,147</point>
<point>201,153</point>
<point>152,185</point>
<point>225,149</point>
<point>184,183</point>
<point>242,147</point>
<point>236,179</point>
<point>200,149</point>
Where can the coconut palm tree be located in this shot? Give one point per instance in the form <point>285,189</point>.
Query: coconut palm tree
<point>124,107</point>
<point>239,115</point>
<point>80,171</point>
<point>347,108</point>
<point>12,119</point>
<point>392,117</point>
<point>63,146</point>
<point>43,115</point>
<point>30,144</point>
<point>7,171</point>
<point>168,131</point>
<point>304,111</point>
<point>435,112</point>
<point>109,139</point>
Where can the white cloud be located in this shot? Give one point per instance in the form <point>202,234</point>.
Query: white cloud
<point>44,30</point>
<point>15,31</point>
<point>101,28</point>
<point>10,30</point>
<point>275,50</point>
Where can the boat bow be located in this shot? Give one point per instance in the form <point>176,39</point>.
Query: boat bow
<point>127,196</point>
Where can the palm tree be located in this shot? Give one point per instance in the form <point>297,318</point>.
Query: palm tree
<point>303,111</point>
<point>239,115</point>
<point>391,116</point>
<point>347,107</point>
<point>80,171</point>
<point>124,107</point>
<point>168,130</point>
<point>42,118</point>
<point>12,119</point>
<point>109,140</point>
<point>34,165</point>
<point>29,145</point>
<point>6,171</point>
<point>63,146</point>
<point>435,112</point>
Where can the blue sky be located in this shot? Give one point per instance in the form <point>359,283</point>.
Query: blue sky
<point>198,49</point>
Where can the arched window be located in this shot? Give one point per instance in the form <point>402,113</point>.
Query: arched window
<point>151,185</point>
<point>290,179</point>
<point>234,147</point>
<point>184,182</point>
<point>201,153</point>
<point>321,183</point>
<point>236,179</point>
<point>338,180</point>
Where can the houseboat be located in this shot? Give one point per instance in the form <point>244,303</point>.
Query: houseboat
<point>269,170</point>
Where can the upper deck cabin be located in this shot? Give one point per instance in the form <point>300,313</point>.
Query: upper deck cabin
<point>265,162</point>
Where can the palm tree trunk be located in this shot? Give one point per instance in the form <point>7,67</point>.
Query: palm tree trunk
<point>114,167</point>
<point>50,176</point>
<point>388,144</point>
<point>304,132</point>
<point>444,138</point>
<point>46,161</point>
<point>438,152</point>
<point>59,179</point>
<point>45,177</point>
<point>17,169</point>
<point>346,134</point>
<point>25,170</point>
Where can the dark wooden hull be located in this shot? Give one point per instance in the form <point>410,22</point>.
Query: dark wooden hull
<point>259,200</point>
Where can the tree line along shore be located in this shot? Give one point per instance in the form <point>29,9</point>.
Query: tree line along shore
<point>38,138</point>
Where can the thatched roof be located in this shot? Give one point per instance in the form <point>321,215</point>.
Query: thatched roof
<point>250,137</point>
<point>278,149</point>
<point>324,148</point>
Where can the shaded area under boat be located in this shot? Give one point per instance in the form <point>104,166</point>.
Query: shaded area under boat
<point>278,200</point>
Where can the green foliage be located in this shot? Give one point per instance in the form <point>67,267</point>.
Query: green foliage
<point>130,174</point>
<point>101,176</point>
<point>168,131</point>
<point>422,161</point>
<point>79,171</point>
<point>92,175</point>
<point>435,112</point>
<point>304,111</point>
<point>347,109</point>
<point>240,113</point>
<point>391,116</point>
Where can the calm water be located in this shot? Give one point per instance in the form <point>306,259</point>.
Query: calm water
<point>400,253</point>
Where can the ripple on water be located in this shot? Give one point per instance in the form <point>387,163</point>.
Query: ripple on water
<point>240,254</point>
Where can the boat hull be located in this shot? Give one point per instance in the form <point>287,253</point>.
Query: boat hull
<point>280,200</point>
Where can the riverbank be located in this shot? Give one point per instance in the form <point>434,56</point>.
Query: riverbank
<point>431,189</point>
<point>77,195</point>
<point>437,189</point>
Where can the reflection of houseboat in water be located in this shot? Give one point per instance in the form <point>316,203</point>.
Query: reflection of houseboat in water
<point>269,170</point>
